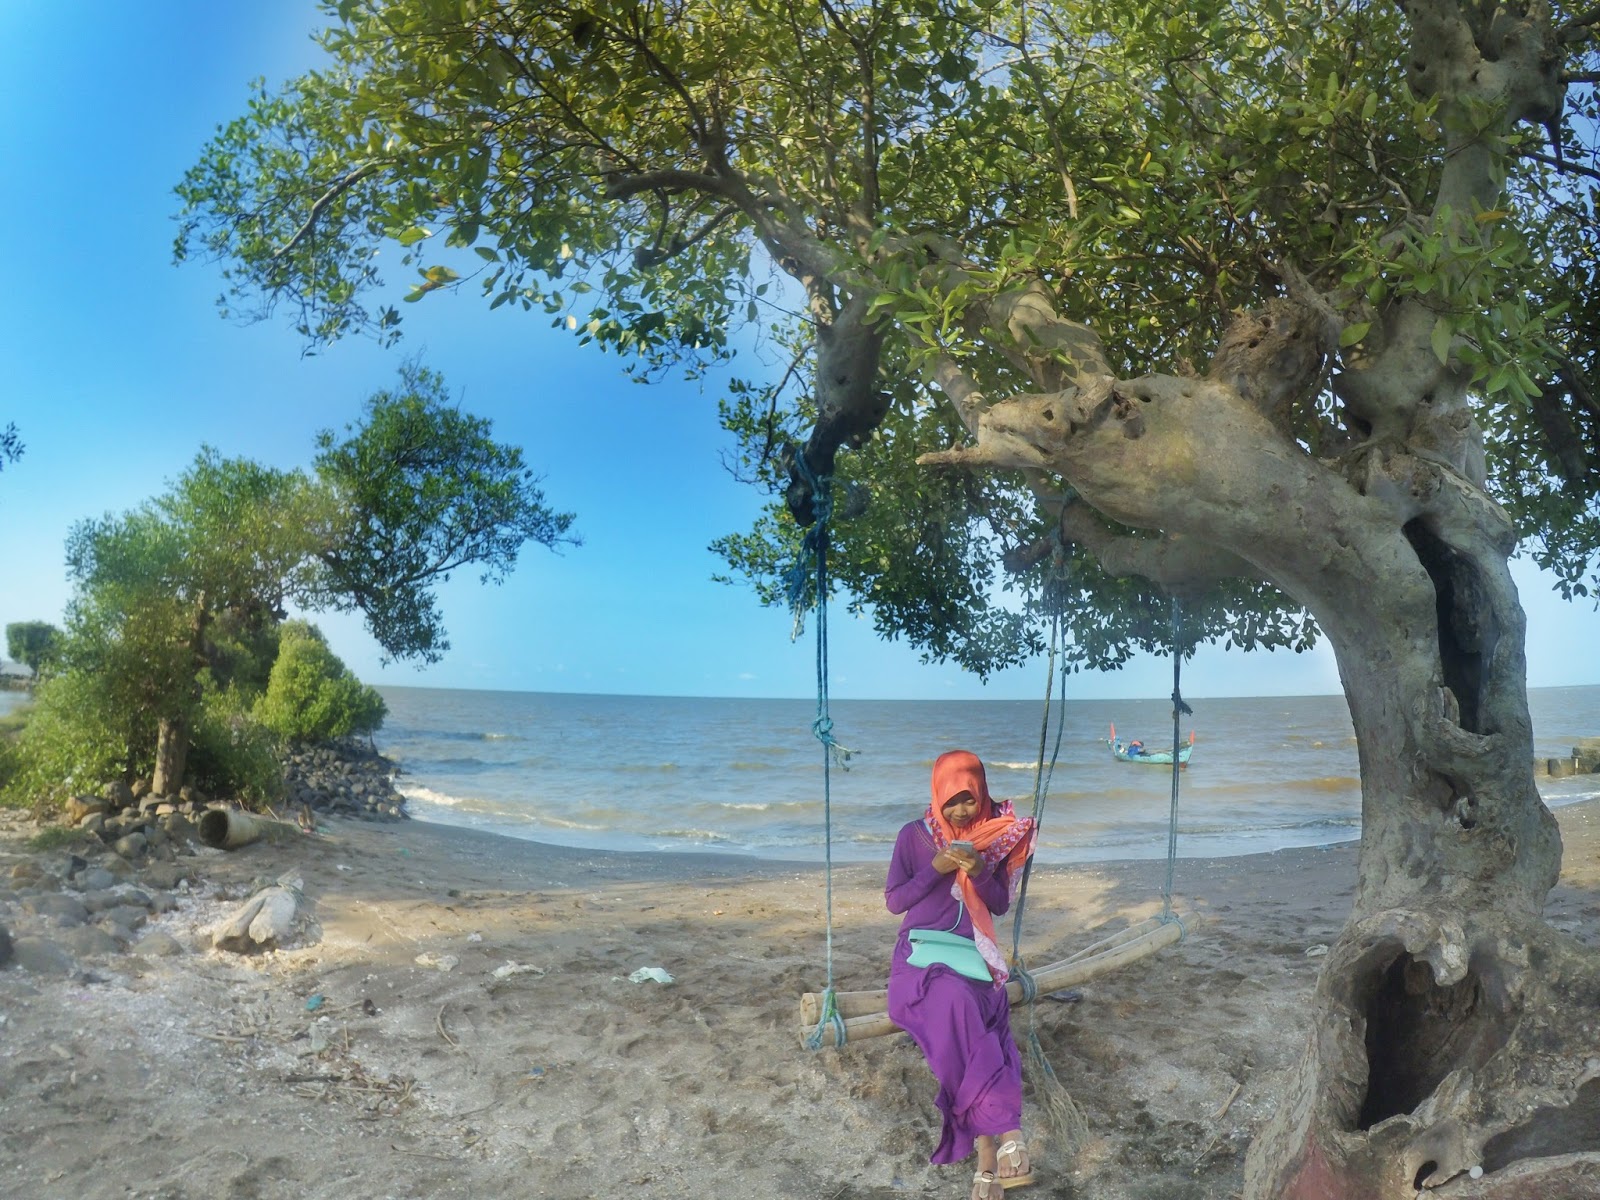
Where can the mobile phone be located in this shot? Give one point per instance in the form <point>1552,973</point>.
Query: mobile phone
<point>962,847</point>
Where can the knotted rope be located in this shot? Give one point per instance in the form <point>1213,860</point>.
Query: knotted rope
<point>813,557</point>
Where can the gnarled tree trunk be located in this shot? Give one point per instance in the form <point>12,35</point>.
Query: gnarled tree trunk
<point>1452,1028</point>
<point>1455,1036</point>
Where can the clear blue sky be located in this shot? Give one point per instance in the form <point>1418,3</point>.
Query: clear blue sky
<point>117,368</point>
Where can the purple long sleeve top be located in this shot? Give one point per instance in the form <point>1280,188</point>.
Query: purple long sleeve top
<point>914,887</point>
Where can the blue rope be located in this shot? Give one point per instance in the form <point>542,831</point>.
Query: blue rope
<point>814,548</point>
<point>1179,709</point>
<point>1041,784</point>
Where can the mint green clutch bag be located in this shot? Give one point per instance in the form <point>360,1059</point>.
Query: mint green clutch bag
<point>930,946</point>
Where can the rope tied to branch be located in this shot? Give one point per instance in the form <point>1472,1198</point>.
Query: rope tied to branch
<point>813,557</point>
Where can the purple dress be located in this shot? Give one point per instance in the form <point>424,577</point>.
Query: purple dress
<point>962,1026</point>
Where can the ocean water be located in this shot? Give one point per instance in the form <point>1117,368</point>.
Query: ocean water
<point>745,776</point>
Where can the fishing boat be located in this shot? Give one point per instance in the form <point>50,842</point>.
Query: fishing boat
<point>1137,752</point>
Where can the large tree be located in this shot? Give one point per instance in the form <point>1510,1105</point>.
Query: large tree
<point>1283,309</point>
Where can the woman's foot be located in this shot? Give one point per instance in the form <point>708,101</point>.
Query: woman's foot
<point>985,1186</point>
<point>1012,1165</point>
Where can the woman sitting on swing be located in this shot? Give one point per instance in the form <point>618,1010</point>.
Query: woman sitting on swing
<point>952,871</point>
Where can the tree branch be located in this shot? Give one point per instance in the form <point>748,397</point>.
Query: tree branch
<point>339,188</point>
<point>1561,164</point>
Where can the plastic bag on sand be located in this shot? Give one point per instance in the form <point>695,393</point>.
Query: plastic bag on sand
<point>649,973</point>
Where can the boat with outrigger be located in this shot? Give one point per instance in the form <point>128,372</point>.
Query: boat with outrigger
<point>1136,751</point>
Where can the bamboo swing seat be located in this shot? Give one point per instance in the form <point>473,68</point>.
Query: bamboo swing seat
<point>864,1015</point>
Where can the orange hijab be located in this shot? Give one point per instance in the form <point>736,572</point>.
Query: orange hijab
<point>996,833</point>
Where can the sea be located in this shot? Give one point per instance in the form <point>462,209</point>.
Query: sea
<point>745,777</point>
<point>739,776</point>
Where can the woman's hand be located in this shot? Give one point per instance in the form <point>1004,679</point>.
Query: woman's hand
<point>950,859</point>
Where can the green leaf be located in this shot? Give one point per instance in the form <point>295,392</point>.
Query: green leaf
<point>1353,333</point>
<point>1442,333</point>
<point>414,235</point>
<point>487,253</point>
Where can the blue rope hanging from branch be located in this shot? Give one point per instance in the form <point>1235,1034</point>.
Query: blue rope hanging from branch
<point>812,562</point>
<point>1179,711</point>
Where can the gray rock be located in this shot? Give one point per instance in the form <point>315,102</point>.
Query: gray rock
<point>41,956</point>
<point>163,902</point>
<point>95,879</point>
<point>104,898</point>
<point>5,946</point>
<point>90,941</point>
<point>140,788</point>
<point>156,944</point>
<point>62,909</point>
<point>162,875</point>
<point>130,845</point>
<point>118,794</point>
<point>127,917</point>
<point>94,823</point>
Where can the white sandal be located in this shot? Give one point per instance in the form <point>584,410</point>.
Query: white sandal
<point>1015,1151</point>
<point>984,1184</point>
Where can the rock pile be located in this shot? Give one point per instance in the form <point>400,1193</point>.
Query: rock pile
<point>55,911</point>
<point>347,778</point>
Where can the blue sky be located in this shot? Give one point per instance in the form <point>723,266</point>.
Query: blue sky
<point>117,368</point>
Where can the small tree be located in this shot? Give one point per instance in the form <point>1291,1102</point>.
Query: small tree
<point>186,592</point>
<point>33,643</point>
<point>310,694</point>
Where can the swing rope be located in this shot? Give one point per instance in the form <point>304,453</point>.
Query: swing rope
<point>1179,711</point>
<point>1062,1113</point>
<point>814,549</point>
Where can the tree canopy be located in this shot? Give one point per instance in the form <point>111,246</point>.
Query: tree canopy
<point>1018,195</point>
<point>33,643</point>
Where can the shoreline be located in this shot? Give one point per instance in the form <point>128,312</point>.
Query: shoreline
<point>453,1017</point>
<point>851,854</point>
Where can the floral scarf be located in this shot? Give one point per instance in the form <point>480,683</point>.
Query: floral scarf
<point>996,833</point>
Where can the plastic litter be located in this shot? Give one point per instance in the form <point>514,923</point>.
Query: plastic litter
<point>649,974</point>
<point>516,968</point>
<point>313,1003</point>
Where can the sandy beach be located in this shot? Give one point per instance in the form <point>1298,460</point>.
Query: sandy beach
<point>453,1017</point>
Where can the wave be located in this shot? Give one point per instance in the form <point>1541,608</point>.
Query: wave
<point>752,766</point>
<point>699,835</point>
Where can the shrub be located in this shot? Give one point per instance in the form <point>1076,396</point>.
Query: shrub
<point>311,696</point>
<point>73,742</point>
<point>231,753</point>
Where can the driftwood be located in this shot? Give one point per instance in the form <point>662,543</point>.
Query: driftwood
<point>864,1015</point>
<point>266,919</point>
